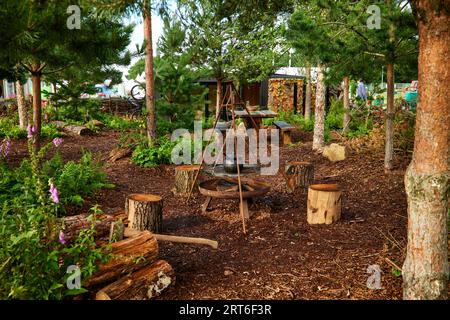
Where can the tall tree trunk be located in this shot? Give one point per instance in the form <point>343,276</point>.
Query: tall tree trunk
<point>219,96</point>
<point>37,108</point>
<point>149,78</point>
<point>346,104</point>
<point>427,180</point>
<point>308,94</point>
<point>390,115</point>
<point>21,106</point>
<point>319,124</point>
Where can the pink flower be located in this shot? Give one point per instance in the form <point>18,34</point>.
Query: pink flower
<point>54,193</point>
<point>57,142</point>
<point>31,131</point>
<point>62,238</point>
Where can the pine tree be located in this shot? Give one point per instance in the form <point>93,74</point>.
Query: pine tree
<point>228,47</point>
<point>44,44</point>
<point>143,8</point>
<point>427,180</point>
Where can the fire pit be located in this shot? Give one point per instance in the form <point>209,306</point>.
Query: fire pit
<point>228,188</point>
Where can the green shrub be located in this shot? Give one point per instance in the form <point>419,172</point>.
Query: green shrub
<point>9,127</point>
<point>159,153</point>
<point>77,110</point>
<point>335,116</point>
<point>33,252</point>
<point>75,181</point>
<point>361,130</point>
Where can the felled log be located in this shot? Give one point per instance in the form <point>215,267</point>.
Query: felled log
<point>298,175</point>
<point>184,178</point>
<point>163,237</point>
<point>143,284</point>
<point>74,224</point>
<point>144,212</point>
<point>72,129</point>
<point>116,232</point>
<point>119,153</point>
<point>324,203</point>
<point>129,255</point>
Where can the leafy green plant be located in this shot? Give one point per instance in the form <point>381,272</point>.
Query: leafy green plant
<point>9,127</point>
<point>361,130</point>
<point>75,181</point>
<point>159,153</point>
<point>335,116</point>
<point>34,253</point>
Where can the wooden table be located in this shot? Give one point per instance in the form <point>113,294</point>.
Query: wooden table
<point>256,115</point>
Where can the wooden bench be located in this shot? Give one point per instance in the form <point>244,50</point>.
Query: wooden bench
<point>285,128</point>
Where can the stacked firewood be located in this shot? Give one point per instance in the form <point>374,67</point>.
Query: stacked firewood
<point>134,271</point>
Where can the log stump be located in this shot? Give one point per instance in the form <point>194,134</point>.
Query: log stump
<point>324,203</point>
<point>184,177</point>
<point>144,284</point>
<point>144,212</point>
<point>298,175</point>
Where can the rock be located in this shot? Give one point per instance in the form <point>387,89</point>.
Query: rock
<point>334,152</point>
<point>228,272</point>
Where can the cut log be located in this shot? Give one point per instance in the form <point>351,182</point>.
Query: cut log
<point>324,203</point>
<point>116,232</point>
<point>119,153</point>
<point>144,212</point>
<point>184,178</point>
<point>298,175</point>
<point>72,129</point>
<point>74,224</point>
<point>77,130</point>
<point>129,255</point>
<point>59,124</point>
<point>144,284</point>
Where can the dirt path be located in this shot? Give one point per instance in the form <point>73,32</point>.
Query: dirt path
<point>282,256</point>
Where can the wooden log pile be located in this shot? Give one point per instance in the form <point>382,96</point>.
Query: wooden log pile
<point>134,271</point>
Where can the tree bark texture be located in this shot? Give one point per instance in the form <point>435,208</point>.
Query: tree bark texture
<point>426,268</point>
<point>74,224</point>
<point>324,203</point>
<point>319,124</point>
<point>37,108</point>
<point>308,94</point>
<point>184,178</point>
<point>129,255</point>
<point>346,101</point>
<point>390,115</point>
<point>143,284</point>
<point>144,212</point>
<point>149,77</point>
<point>219,96</point>
<point>21,106</point>
<point>298,175</point>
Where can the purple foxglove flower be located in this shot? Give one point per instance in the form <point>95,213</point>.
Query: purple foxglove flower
<point>31,131</point>
<point>57,142</point>
<point>54,193</point>
<point>62,238</point>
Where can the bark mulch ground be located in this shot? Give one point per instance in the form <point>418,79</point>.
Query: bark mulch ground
<point>282,257</point>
